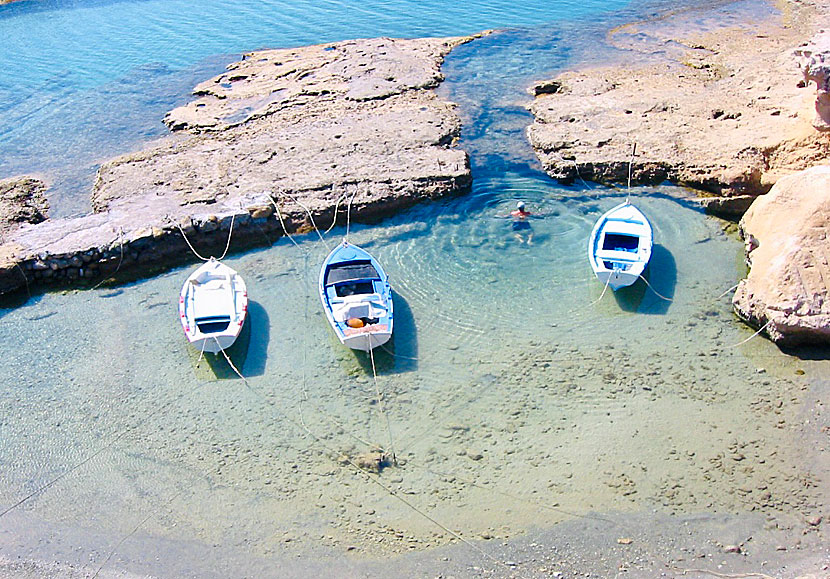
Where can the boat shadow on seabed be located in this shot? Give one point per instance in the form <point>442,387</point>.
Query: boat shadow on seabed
<point>655,296</point>
<point>246,354</point>
<point>400,353</point>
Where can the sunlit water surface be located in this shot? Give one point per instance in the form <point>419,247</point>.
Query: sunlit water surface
<point>512,382</point>
<point>515,394</point>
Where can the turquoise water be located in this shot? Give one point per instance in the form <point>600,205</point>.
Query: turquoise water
<point>515,394</point>
<point>86,81</point>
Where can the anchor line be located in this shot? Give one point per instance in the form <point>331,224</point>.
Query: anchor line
<point>333,454</point>
<point>230,233</point>
<point>761,329</point>
<point>310,216</point>
<point>334,217</point>
<point>379,399</point>
<point>349,214</point>
<point>133,532</point>
<point>98,452</point>
<point>599,299</point>
<point>658,294</point>
<point>630,162</point>
<point>734,287</point>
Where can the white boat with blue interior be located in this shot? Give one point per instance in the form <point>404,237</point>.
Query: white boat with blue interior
<point>620,246</point>
<point>356,297</point>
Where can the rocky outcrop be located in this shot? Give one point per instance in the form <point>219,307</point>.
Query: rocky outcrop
<point>724,111</point>
<point>289,137</point>
<point>787,291</point>
<point>815,65</point>
<point>22,200</point>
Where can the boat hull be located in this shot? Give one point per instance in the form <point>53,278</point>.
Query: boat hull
<point>356,298</point>
<point>620,245</point>
<point>213,306</point>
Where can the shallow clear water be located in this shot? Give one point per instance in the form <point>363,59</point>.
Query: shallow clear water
<point>516,394</point>
<point>509,384</point>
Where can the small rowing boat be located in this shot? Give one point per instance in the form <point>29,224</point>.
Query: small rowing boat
<point>620,246</point>
<point>356,297</point>
<point>212,306</point>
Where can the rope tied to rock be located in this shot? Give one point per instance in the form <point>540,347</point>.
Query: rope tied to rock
<point>193,249</point>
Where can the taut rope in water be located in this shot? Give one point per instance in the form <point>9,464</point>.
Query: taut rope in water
<point>379,399</point>
<point>651,287</point>
<point>310,216</point>
<point>98,452</point>
<point>349,215</point>
<point>345,459</point>
<point>761,329</point>
<point>334,217</point>
<point>599,299</point>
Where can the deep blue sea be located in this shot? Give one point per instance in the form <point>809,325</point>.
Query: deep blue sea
<point>518,394</point>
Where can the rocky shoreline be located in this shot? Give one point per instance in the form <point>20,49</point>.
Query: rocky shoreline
<point>727,109</point>
<point>285,140</point>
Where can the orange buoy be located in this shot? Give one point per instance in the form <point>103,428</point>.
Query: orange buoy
<point>355,323</point>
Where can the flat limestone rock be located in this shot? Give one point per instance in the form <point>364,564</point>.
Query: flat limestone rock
<point>283,141</point>
<point>723,110</point>
<point>787,290</point>
<point>315,122</point>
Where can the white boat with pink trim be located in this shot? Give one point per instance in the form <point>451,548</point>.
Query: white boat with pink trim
<point>212,306</point>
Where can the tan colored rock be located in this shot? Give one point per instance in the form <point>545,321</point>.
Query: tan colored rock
<point>723,110</point>
<point>22,200</point>
<point>283,140</point>
<point>815,65</point>
<point>315,122</point>
<point>787,291</point>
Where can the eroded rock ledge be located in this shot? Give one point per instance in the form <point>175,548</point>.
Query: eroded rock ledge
<point>310,130</point>
<point>725,111</point>
<point>786,291</point>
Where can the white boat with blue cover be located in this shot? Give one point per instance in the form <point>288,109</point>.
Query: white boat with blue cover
<point>356,297</point>
<point>620,246</point>
<point>212,306</point>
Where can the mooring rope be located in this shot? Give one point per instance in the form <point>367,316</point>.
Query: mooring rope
<point>349,214</point>
<point>334,217</point>
<point>379,398</point>
<point>133,532</point>
<point>193,249</point>
<point>630,162</point>
<point>98,452</point>
<point>599,299</point>
<point>658,294</point>
<point>334,455</point>
<point>734,287</point>
<point>230,233</point>
<point>761,329</point>
<point>282,222</point>
<point>311,218</point>
<point>120,259</point>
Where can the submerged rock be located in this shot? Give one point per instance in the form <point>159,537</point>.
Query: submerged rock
<point>786,291</point>
<point>284,140</point>
<point>724,111</point>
